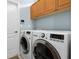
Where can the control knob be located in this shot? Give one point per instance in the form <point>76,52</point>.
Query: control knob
<point>42,35</point>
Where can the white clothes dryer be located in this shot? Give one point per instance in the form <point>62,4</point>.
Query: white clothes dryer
<point>25,44</point>
<point>51,44</point>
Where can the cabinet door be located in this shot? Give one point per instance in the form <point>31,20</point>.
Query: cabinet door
<point>38,8</point>
<point>42,7</point>
<point>64,4</point>
<point>50,6</point>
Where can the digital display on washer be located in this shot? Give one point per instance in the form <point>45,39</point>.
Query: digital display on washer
<point>57,36</point>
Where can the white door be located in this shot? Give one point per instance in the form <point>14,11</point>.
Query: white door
<point>13,29</point>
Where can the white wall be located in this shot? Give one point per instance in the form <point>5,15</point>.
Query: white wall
<point>25,15</point>
<point>59,21</point>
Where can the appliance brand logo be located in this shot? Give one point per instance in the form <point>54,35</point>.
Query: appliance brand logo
<point>35,35</point>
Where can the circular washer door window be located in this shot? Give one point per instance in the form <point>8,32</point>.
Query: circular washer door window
<point>24,45</point>
<point>44,50</point>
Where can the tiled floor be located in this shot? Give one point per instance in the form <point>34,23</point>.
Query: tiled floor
<point>16,57</point>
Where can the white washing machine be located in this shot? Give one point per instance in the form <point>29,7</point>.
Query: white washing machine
<point>25,44</point>
<point>51,45</point>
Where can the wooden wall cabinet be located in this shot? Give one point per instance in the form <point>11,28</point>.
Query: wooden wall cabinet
<point>42,7</point>
<point>45,7</point>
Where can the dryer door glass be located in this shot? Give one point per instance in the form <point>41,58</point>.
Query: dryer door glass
<point>24,44</point>
<point>44,50</point>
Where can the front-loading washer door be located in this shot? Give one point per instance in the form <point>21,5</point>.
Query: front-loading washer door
<point>44,50</point>
<point>24,44</point>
